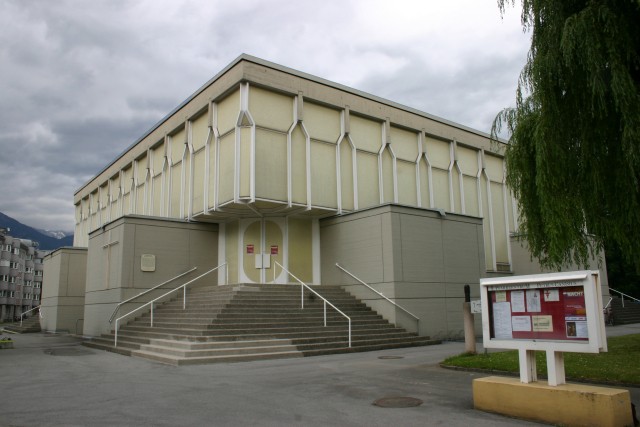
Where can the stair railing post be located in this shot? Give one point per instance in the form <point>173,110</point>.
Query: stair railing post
<point>301,296</point>
<point>184,297</point>
<point>349,333</point>
<point>152,314</point>
<point>325,313</point>
<point>115,341</point>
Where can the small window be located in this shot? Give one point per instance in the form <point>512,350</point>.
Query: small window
<point>12,279</point>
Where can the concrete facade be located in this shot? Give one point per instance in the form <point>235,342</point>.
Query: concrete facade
<point>263,143</point>
<point>62,304</point>
<point>417,257</point>
<point>117,272</point>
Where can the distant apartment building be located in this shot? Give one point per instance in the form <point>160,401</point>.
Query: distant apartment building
<point>21,272</point>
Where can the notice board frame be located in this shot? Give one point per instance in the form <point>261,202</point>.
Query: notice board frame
<point>587,279</point>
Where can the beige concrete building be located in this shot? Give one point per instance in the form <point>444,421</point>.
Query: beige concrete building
<point>62,304</point>
<point>266,165</point>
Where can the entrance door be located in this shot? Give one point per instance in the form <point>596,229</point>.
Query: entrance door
<point>262,246</point>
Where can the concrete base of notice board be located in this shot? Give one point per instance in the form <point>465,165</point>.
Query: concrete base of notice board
<point>566,404</point>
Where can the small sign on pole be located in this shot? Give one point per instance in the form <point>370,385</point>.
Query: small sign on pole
<point>476,306</point>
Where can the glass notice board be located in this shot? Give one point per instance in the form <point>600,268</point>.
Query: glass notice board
<point>553,313</point>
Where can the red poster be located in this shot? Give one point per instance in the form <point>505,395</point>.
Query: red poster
<point>274,249</point>
<point>249,248</point>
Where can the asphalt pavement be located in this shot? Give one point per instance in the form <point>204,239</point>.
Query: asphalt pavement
<point>51,380</point>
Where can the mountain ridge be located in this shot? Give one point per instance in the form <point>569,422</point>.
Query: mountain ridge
<point>23,231</point>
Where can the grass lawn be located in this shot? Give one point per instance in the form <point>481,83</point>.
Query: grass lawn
<point>621,364</point>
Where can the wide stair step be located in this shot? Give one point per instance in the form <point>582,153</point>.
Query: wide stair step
<point>251,322</point>
<point>29,325</point>
<point>627,314</point>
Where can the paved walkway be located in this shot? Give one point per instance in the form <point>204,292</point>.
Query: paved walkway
<point>51,380</point>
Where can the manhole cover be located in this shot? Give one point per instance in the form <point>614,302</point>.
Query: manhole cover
<point>390,357</point>
<point>398,402</point>
<point>67,351</point>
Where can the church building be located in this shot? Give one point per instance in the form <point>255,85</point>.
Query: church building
<point>274,176</point>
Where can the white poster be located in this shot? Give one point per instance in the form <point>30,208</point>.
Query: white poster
<point>517,302</point>
<point>501,296</point>
<point>542,323</point>
<point>577,327</point>
<point>521,323</point>
<point>533,301</point>
<point>502,320</point>
<point>551,295</point>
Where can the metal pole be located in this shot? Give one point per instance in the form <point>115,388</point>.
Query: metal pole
<point>184,297</point>
<point>302,296</point>
<point>469,329</point>
<point>349,333</point>
<point>152,314</point>
<point>115,341</point>
<point>325,313</point>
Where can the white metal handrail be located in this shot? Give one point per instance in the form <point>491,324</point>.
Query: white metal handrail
<point>29,311</point>
<point>304,285</point>
<point>147,291</point>
<point>622,294</point>
<point>153,301</point>
<point>381,294</point>
<point>608,303</point>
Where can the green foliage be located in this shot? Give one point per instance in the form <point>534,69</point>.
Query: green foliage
<point>618,365</point>
<point>622,276</point>
<point>573,158</point>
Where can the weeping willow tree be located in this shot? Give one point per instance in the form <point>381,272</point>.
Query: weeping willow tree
<point>573,157</point>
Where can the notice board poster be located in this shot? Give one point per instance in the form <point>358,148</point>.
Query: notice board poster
<point>552,312</point>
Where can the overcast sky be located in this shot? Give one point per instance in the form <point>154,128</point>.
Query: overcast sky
<point>80,81</point>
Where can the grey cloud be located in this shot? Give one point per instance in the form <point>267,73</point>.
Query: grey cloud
<point>471,96</point>
<point>83,80</point>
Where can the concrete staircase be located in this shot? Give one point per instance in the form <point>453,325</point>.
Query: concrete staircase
<point>29,325</point>
<point>630,313</point>
<point>249,322</point>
